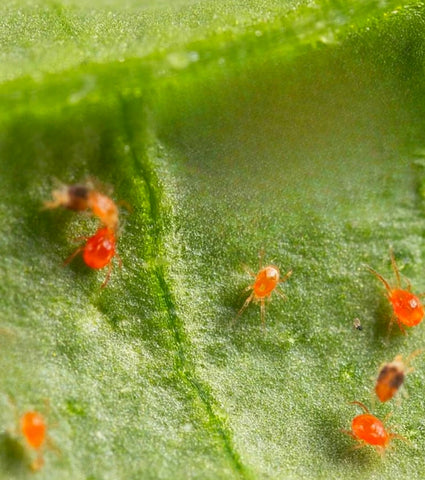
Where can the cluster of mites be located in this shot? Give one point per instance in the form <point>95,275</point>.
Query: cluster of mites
<point>100,248</point>
<point>98,251</point>
<point>408,311</point>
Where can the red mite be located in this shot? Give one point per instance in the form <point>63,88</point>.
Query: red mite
<point>407,308</point>
<point>265,283</point>
<point>369,430</point>
<point>98,251</point>
<point>34,430</point>
<point>391,377</point>
<point>81,197</point>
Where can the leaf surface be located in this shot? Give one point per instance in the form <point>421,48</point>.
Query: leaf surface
<point>230,128</point>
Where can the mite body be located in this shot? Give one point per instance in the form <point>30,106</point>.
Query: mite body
<point>98,251</point>
<point>73,197</point>
<point>80,197</point>
<point>357,324</point>
<point>34,430</point>
<point>391,376</point>
<point>407,308</point>
<point>265,283</point>
<point>367,429</point>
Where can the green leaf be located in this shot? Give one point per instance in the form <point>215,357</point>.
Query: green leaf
<point>230,128</point>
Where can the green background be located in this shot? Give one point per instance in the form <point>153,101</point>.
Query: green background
<point>230,127</point>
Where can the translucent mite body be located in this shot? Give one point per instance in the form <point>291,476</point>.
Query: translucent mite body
<point>391,377</point>
<point>357,324</point>
<point>72,197</point>
<point>265,283</point>
<point>369,430</point>
<point>34,430</point>
<point>80,197</point>
<point>407,308</point>
<point>98,251</point>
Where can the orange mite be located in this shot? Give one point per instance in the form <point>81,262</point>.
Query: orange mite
<point>407,308</point>
<point>81,197</point>
<point>98,251</point>
<point>105,209</point>
<point>265,283</point>
<point>391,377</point>
<point>34,430</point>
<point>369,430</point>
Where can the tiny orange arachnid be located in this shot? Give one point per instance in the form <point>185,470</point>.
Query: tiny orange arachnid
<point>98,251</point>
<point>81,197</point>
<point>265,283</point>
<point>407,308</point>
<point>391,376</point>
<point>34,430</point>
<point>105,209</point>
<point>369,430</point>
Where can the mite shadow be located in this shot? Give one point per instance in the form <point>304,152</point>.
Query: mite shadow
<point>13,457</point>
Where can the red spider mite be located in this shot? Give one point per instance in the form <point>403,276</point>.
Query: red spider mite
<point>98,251</point>
<point>391,376</point>
<point>369,430</point>
<point>407,308</point>
<point>265,283</point>
<point>80,197</point>
<point>34,430</point>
